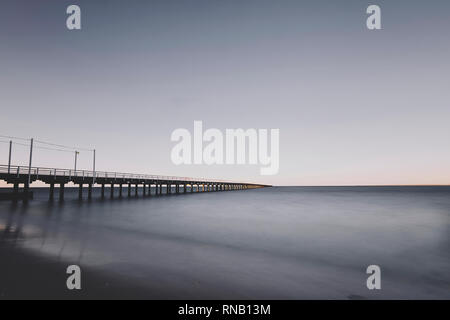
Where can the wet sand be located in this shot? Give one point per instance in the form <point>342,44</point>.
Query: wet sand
<point>24,275</point>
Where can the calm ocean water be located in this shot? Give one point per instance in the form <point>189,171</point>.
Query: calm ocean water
<point>274,243</point>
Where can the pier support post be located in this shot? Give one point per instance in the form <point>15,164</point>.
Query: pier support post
<point>90,191</point>
<point>61,192</point>
<point>112,190</point>
<point>168,188</point>
<point>103,190</point>
<point>129,190</point>
<point>144,190</point>
<point>80,191</point>
<point>120,190</point>
<point>185,188</point>
<point>26,189</point>
<point>156,189</point>
<point>16,191</point>
<point>51,191</point>
<point>136,190</point>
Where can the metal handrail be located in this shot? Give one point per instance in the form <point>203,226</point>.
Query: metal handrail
<point>43,171</point>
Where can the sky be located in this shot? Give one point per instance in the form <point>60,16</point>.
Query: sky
<point>353,106</point>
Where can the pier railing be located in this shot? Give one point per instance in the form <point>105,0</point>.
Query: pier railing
<point>35,172</point>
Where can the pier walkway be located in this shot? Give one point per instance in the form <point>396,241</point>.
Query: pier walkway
<point>21,177</point>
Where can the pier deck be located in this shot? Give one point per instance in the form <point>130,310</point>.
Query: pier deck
<point>21,175</point>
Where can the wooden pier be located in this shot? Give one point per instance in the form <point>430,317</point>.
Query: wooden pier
<point>21,178</point>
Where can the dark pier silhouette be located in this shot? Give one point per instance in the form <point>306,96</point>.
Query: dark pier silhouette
<point>21,178</point>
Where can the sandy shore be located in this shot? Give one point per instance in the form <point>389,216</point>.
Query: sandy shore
<point>24,275</point>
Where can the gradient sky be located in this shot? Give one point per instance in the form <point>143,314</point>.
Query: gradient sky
<point>353,106</point>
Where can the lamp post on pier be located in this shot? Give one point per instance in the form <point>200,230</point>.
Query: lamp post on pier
<point>93,169</point>
<point>29,164</point>
<point>76,156</point>
<point>9,158</point>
